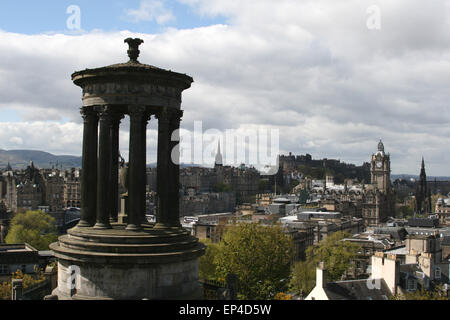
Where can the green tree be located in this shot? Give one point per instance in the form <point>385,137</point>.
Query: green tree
<point>260,256</point>
<point>206,265</point>
<point>303,277</point>
<point>263,185</point>
<point>405,211</point>
<point>434,199</point>
<point>337,255</point>
<point>33,227</point>
<point>223,187</point>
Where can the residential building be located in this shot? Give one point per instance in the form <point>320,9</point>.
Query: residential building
<point>21,257</point>
<point>347,290</point>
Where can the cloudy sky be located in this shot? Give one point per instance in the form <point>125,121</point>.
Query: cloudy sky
<point>334,77</point>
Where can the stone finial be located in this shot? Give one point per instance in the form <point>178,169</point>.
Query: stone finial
<point>133,51</point>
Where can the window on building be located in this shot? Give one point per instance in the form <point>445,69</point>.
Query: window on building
<point>412,285</point>
<point>4,269</point>
<point>24,268</point>
<point>437,273</point>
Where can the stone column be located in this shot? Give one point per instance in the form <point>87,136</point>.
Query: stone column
<point>114,177</point>
<point>143,177</point>
<point>138,125</point>
<point>104,169</point>
<point>174,168</point>
<point>167,171</point>
<point>89,168</point>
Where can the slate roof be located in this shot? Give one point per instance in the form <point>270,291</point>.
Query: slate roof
<point>356,290</point>
<point>397,233</point>
<point>423,222</point>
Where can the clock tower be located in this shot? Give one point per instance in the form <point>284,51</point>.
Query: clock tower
<point>380,169</point>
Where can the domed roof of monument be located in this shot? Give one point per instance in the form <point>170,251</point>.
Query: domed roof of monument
<point>132,67</point>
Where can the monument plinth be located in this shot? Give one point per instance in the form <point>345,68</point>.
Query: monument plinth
<point>102,258</point>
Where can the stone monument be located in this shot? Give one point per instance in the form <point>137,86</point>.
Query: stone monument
<point>103,257</point>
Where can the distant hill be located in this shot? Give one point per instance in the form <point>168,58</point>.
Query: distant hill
<point>416,177</point>
<point>19,159</point>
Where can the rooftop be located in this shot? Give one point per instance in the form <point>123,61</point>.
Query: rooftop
<point>21,247</point>
<point>356,290</point>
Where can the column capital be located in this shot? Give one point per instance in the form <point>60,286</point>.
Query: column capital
<point>106,113</point>
<point>88,113</point>
<point>138,113</point>
<point>169,114</point>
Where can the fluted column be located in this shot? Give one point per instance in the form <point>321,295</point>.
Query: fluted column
<point>89,168</point>
<point>104,169</point>
<point>114,176</point>
<point>167,171</point>
<point>136,189</point>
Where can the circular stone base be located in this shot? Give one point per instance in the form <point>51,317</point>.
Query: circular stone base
<point>121,264</point>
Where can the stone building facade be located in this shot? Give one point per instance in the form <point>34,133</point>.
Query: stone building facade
<point>50,190</point>
<point>72,188</point>
<point>374,202</point>
<point>192,204</point>
<point>210,190</point>
<point>442,210</point>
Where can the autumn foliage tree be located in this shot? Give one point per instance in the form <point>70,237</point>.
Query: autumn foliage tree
<point>29,281</point>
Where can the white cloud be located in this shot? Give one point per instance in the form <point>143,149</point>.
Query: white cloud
<point>151,10</point>
<point>312,69</point>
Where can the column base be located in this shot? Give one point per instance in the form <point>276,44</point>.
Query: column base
<point>84,224</point>
<point>133,227</point>
<point>125,265</point>
<point>102,226</point>
<point>164,225</point>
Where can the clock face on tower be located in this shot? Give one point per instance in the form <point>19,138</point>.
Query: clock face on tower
<point>379,164</point>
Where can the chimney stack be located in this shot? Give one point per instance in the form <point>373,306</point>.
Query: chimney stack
<point>321,275</point>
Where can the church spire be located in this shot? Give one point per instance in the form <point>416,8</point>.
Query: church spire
<point>422,192</point>
<point>218,161</point>
<point>422,170</point>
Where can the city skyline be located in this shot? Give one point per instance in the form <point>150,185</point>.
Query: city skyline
<point>332,86</point>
